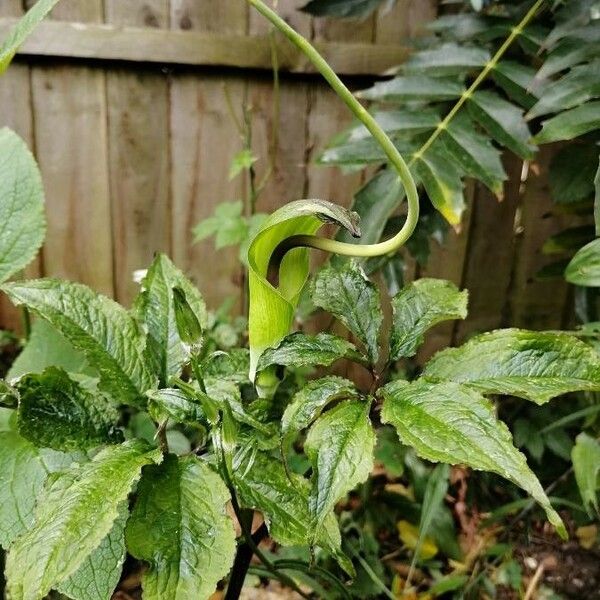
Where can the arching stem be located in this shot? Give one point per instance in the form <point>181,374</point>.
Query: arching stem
<point>334,246</point>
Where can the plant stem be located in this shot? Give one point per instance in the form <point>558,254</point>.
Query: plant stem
<point>335,246</point>
<point>490,66</point>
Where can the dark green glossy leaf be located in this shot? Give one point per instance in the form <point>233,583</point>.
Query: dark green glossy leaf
<point>517,80</point>
<point>452,423</point>
<point>57,412</point>
<point>341,8</point>
<point>586,463</point>
<point>180,526</point>
<point>568,240</point>
<point>21,204</point>
<point>571,173</point>
<point>447,59</point>
<point>534,365</point>
<point>584,268</point>
<point>568,53</point>
<point>570,124</point>
<point>398,122</point>
<point>345,291</point>
<point>413,87</point>
<point>171,403</point>
<point>418,307</point>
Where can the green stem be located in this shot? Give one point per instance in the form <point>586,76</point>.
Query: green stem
<point>490,66</point>
<point>334,246</point>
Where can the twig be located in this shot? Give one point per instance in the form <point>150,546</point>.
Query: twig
<point>534,582</point>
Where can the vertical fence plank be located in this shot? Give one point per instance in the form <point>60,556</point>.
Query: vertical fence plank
<point>204,140</point>
<point>406,19</point>
<point>69,107</point>
<point>138,132</point>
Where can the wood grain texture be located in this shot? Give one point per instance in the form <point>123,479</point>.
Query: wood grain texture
<point>406,19</point>
<point>138,134</point>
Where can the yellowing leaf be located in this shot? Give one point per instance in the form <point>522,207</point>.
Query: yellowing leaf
<point>587,536</point>
<point>409,534</point>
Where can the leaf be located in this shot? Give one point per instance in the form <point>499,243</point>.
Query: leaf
<point>23,225</point>
<point>442,183</point>
<point>413,87</point>
<point>452,423</point>
<point>584,268</point>
<point>21,31</point>
<point>447,59</point>
<point>516,79</point>
<point>597,200</point>
<point>100,328</point>
<point>346,293</point>
<point>570,124</point>
<point>341,8</point>
<point>57,412</point>
<point>568,240</point>
<point>242,161</point>
<point>571,173</point>
<point>271,310</point>
<point>586,463</point>
<point>173,404</point>
<point>156,308</point>
<point>47,348</point>
<point>75,513</point>
<point>424,547</point>
<point>398,122</point>
<point>23,471</point>
<point>503,121</point>
<point>533,365</point>
<point>180,526</point>
<point>302,350</point>
<point>228,225</point>
<point>306,404</point>
<point>340,448</point>
<point>418,307</point>
<point>100,572</point>
<point>474,153</point>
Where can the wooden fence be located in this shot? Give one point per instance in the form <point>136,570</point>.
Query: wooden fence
<point>123,102</point>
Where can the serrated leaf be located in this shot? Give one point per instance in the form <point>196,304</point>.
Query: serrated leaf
<point>398,122</point>
<point>447,59</point>
<point>171,403</point>
<point>443,184</point>
<point>263,484</point>
<point>571,173</point>
<point>586,464</point>
<point>418,307</point>
<point>155,307</point>
<point>57,412</point>
<point>271,310</point>
<point>100,328</point>
<point>23,471</point>
<point>100,572</point>
<point>584,268</point>
<point>570,124</point>
<point>340,448</point>
<point>452,423</point>
<point>308,403</point>
<point>302,350</point>
<point>569,53</point>
<point>533,365</point>
<point>75,513</point>
<point>474,153</point>
<point>413,87</point>
<point>341,8</point>
<point>345,292</point>
<point>21,31</point>
<point>579,85</point>
<point>242,161</point>
<point>21,204</point>
<point>180,526</point>
<point>503,120</point>
<point>516,79</point>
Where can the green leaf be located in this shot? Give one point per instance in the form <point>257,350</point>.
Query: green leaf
<point>21,204</point>
<point>156,308</point>
<point>567,54</point>
<point>568,240</point>
<point>47,348</point>
<point>413,87</point>
<point>21,31</point>
<point>398,122</point>
<point>74,514</point>
<point>586,463</point>
<point>597,200</point>
<point>306,404</point>
<point>23,471</point>
<point>228,225</point>
<point>503,121</point>
<point>180,526</point>
<point>418,307</point>
<point>57,412</point>
<point>452,423</point>
<point>302,350</point>
<point>570,124</point>
<point>100,572</point>
<point>571,173</point>
<point>584,268</point>
<point>272,308</point>
<point>516,79</point>
<point>100,328</point>
<point>346,292</point>
<point>533,365</point>
<point>242,161</point>
<point>340,448</point>
<point>442,183</point>
<point>173,404</point>
<point>579,85</point>
<point>341,8</point>
<point>263,484</point>
<point>447,59</point>
<point>474,153</point>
